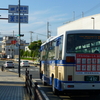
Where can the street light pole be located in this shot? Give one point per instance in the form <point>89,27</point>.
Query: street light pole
<point>93,22</point>
<point>19,39</point>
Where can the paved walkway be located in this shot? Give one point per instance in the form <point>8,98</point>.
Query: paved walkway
<point>12,86</point>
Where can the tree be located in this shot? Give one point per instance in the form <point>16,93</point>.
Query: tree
<point>34,47</point>
<point>21,52</point>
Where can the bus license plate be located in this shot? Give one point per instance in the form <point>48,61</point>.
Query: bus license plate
<point>91,78</point>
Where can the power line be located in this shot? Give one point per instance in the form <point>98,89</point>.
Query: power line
<point>93,8</point>
<point>86,12</point>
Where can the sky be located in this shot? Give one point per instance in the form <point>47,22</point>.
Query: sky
<point>56,12</point>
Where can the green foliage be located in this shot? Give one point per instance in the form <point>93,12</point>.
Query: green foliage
<point>21,52</point>
<point>26,58</point>
<point>34,47</point>
<point>26,53</point>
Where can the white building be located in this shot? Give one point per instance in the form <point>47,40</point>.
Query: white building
<point>11,48</point>
<point>89,22</point>
<point>26,47</point>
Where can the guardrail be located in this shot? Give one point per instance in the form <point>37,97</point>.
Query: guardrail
<point>32,88</point>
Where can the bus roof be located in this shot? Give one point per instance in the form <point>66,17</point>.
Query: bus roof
<point>73,32</point>
<point>84,31</point>
<point>51,38</point>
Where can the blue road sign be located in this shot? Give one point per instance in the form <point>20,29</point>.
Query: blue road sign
<point>15,9</point>
<point>17,44</point>
<point>15,18</point>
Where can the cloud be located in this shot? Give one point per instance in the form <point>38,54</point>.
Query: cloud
<point>37,14</point>
<point>41,12</point>
<point>38,23</point>
<point>59,17</point>
<point>41,17</point>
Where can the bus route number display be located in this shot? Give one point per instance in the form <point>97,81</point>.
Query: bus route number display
<point>88,37</point>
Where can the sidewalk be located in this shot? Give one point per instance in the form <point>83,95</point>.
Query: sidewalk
<point>12,86</point>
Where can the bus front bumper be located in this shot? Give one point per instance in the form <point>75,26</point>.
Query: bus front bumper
<point>80,86</point>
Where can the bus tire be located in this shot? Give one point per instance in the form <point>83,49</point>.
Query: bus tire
<point>44,83</point>
<point>54,90</point>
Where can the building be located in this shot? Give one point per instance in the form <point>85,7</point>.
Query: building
<point>89,22</point>
<point>26,47</point>
<point>10,45</point>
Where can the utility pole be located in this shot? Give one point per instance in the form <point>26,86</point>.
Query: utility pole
<point>31,36</point>
<point>48,35</point>
<point>82,14</point>
<point>73,15</point>
<point>37,37</point>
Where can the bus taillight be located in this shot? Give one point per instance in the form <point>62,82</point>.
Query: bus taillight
<point>70,86</point>
<point>69,77</point>
<point>70,59</point>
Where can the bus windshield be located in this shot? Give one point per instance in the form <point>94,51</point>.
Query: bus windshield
<point>83,43</point>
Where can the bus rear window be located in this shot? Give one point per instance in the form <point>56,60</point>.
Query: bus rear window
<point>83,43</point>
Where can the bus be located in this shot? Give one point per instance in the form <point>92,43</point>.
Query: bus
<point>71,61</point>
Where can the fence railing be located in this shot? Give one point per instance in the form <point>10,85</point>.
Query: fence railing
<point>32,88</point>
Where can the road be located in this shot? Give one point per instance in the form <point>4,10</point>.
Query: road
<point>47,89</point>
<point>32,69</point>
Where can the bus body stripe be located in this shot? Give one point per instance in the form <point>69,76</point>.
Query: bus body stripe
<point>58,63</point>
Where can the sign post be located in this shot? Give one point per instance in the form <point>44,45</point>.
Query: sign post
<point>19,18</point>
<point>19,40</point>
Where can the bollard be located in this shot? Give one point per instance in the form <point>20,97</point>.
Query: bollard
<point>35,94</point>
<point>30,80</point>
<point>26,78</point>
<point>2,68</point>
<point>30,85</point>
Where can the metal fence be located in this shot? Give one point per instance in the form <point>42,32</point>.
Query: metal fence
<point>32,88</point>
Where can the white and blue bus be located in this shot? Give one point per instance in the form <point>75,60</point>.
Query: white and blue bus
<point>71,61</point>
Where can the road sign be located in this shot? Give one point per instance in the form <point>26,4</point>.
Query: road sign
<point>17,44</point>
<point>15,9</point>
<point>15,18</point>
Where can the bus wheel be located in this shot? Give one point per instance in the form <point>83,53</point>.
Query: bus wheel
<point>54,90</point>
<point>44,83</point>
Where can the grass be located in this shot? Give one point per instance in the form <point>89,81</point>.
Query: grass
<point>27,58</point>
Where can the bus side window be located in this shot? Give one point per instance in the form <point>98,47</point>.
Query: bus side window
<point>60,48</point>
<point>51,54</point>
